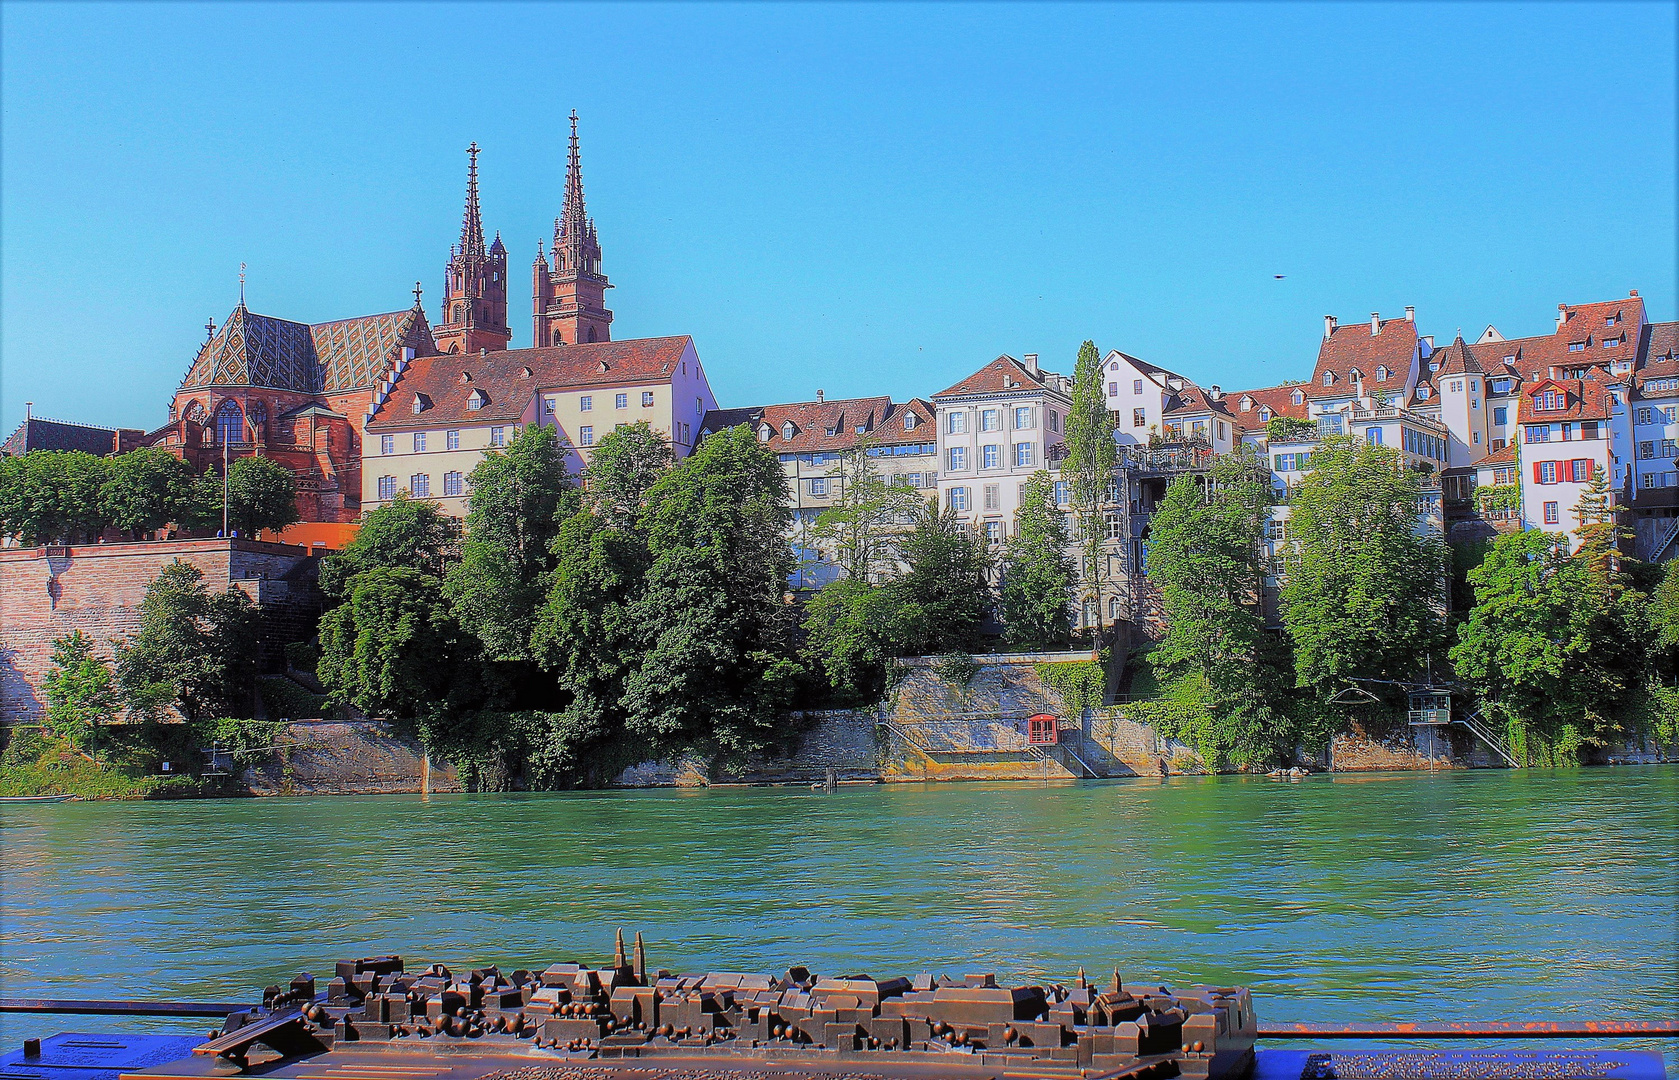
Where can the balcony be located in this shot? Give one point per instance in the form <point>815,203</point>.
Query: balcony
<point>1165,458</point>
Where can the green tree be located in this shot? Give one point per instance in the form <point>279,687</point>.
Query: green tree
<point>588,632</point>
<point>1365,599</point>
<point>261,494</point>
<point>718,667</point>
<point>1205,555</point>
<point>393,649</point>
<point>862,525</point>
<point>80,689</point>
<point>1664,609</point>
<point>147,489</point>
<point>1037,574</point>
<point>1546,647</point>
<point>1092,458</point>
<point>194,651</point>
<point>412,533</point>
<point>53,496</point>
<point>946,592</point>
<point>518,497</point>
<point>853,630</point>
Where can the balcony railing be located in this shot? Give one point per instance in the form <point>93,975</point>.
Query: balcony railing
<point>1166,457</point>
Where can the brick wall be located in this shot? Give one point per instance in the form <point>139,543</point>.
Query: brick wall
<point>47,593</point>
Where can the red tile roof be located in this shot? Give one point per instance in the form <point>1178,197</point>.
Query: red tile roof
<point>1661,357</point>
<point>1457,359</point>
<point>1504,455</point>
<point>997,377</point>
<point>1588,399</point>
<point>1354,348</point>
<point>833,425</point>
<point>1279,399</point>
<point>501,377</point>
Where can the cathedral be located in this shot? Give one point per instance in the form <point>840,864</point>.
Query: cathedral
<point>301,393</point>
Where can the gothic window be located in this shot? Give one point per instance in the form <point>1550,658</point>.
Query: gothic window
<point>230,423</point>
<point>195,412</point>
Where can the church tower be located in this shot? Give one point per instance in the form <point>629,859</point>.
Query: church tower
<point>569,300</point>
<point>475,284</point>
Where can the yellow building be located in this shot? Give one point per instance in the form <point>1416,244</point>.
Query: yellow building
<point>433,423</point>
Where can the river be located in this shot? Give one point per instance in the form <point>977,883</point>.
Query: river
<point>1460,895</point>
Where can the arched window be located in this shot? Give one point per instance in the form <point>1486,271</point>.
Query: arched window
<point>1113,608</point>
<point>195,412</point>
<point>230,423</point>
<point>591,333</point>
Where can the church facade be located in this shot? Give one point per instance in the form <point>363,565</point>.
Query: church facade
<point>302,393</point>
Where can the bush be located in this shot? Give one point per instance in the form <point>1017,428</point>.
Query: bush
<point>303,655</point>
<point>1082,684</point>
<point>250,741</point>
<point>285,700</point>
<point>957,669</point>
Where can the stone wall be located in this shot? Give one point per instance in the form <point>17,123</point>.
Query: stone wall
<point>49,592</point>
<point>356,757</point>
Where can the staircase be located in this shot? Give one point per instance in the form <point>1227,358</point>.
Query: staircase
<point>1665,542</point>
<point>1493,740</point>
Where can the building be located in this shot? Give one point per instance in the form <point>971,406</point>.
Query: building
<point>812,440</point>
<point>569,298</point>
<point>1567,435</point>
<point>996,428</point>
<point>297,393</point>
<point>474,315</point>
<point>39,433</point>
<point>442,413</point>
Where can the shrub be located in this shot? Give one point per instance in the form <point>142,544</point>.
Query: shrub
<point>957,669</point>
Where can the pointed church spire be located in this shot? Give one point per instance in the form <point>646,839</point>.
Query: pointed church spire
<point>576,222</point>
<point>472,225</point>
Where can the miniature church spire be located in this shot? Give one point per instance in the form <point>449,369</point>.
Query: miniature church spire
<point>640,957</point>
<point>618,960</point>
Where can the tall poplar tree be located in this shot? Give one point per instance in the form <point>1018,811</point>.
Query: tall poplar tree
<point>1037,574</point>
<point>1092,458</point>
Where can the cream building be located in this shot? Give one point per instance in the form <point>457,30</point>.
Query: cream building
<point>433,423</point>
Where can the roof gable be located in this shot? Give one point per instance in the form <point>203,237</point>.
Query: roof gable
<point>999,376</point>
<point>1355,348</point>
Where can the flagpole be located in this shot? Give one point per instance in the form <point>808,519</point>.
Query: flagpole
<point>225,535</point>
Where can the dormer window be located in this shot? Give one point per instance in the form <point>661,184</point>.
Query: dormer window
<point>1355,375</point>
<point>1329,378</point>
<point>1265,414</point>
<point>1434,366</point>
<point>787,429</point>
<point>419,405</point>
<point>1382,374</point>
<point>1247,404</point>
<point>1422,393</point>
<point>1576,346</point>
<point>477,400</point>
<point>525,373</point>
<point>1611,320</point>
<point>604,366</point>
<point>1298,397</point>
<point>466,376</point>
<point>910,421</point>
<point>1550,400</point>
<point>765,432</point>
<point>1610,343</point>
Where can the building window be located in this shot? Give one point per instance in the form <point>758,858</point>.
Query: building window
<point>1137,386</point>
<point>622,401</point>
<point>1545,472</point>
<point>387,487</point>
<point>991,456</point>
<point>230,423</point>
<point>1022,455</point>
<point>498,436</point>
<point>647,399</point>
<point>993,500</point>
<point>1023,418</point>
<point>958,458</point>
<point>1054,419</point>
<point>956,422</point>
<point>550,402</point>
<point>988,420</point>
<point>419,485</point>
<point>387,444</point>
<point>452,440</point>
<point>1112,526</point>
<point>1139,418</point>
<point>1265,415</point>
<point>586,403</point>
<point>909,421</point>
<point>819,486</point>
<point>1551,515</point>
<point>476,400</point>
<point>994,532</point>
<point>586,435</point>
<point>1061,493</point>
<point>419,442</point>
<point>1538,433</point>
<point>1373,436</point>
<point>959,498</point>
<point>787,429</point>
<point>1381,373</point>
<point>1576,346</point>
<point>453,483</point>
<point>1113,389</point>
<point>1423,393</point>
<point>1329,378</point>
<point>1298,396</point>
<point>1501,414</point>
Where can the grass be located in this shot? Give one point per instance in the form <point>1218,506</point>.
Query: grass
<point>41,765</point>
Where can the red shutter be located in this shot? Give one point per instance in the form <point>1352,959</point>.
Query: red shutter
<point>1567,472</point>
<point>1536,479</point>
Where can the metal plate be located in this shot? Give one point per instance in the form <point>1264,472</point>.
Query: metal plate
<point>78,1055</point>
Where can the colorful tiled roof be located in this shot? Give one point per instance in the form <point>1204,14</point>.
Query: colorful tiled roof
<point>507,380</point>
<point>326,358</point>
<point>1354,348</point>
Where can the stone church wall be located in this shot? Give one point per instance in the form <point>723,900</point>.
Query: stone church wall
<point>50,592</point>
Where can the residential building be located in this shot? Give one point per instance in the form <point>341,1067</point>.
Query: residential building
<point>1566,436</point>
<point>443,413</point>
<point>812,440</point>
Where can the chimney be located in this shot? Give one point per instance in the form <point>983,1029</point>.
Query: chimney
<point>1215,392</point>
<point>1031,359</point>
<point>28,410</point>
<point>1375,323</point>
<point>1633,293</point>
<point>1329,324</point>
<point>1562,315</point>
<point>819,397</point>
<point>1410,313</point>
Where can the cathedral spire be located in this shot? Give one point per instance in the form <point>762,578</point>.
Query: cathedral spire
<point>569,299</point>
<point>472,225</point>
<point>574,221</point>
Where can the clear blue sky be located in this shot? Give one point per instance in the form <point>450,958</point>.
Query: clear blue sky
<point>862,198</point>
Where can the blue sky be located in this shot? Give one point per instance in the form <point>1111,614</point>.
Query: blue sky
<point>858,198</point>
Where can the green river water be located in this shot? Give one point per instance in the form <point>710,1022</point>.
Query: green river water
<point>1462,895</point>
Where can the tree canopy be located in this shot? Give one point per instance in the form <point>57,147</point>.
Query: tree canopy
<point>1092,457</point>
<point>1037,586</point>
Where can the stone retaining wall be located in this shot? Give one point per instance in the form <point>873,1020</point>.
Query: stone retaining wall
<point>348,757</point>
